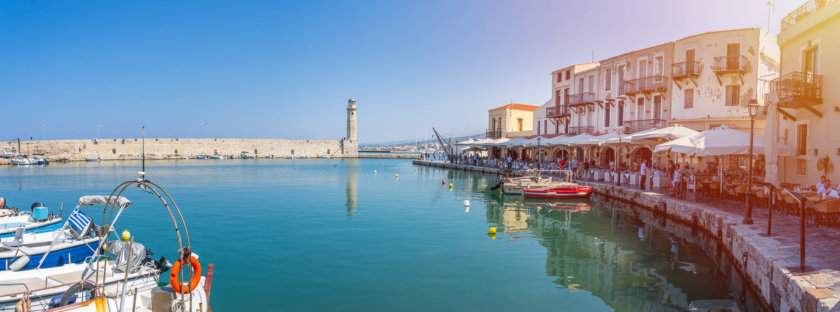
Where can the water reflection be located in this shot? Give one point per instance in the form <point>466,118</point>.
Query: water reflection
<point>352,168</point>
<point>630,258</point>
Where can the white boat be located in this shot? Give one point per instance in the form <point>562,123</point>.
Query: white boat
<point>21,161</point>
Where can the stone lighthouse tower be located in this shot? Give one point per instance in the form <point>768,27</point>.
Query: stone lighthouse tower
<point>351,143</point>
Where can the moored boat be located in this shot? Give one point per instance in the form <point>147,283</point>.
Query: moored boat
<point>566,190</point>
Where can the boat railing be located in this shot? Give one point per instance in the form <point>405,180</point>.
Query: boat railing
<point>29,293</point>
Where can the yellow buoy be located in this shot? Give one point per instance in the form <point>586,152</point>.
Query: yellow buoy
<point>126,235</point>
<point>450,185</point>
<point>103,246</point>
<point>492,230</point>
<point>374,172</point>
<point>396,175</point>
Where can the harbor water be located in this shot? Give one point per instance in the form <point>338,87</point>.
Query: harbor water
<point>385,235</point>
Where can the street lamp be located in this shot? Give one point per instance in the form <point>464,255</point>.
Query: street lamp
<point>753,110</point>
<point>539,154</point>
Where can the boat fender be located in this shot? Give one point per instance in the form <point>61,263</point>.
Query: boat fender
<point>196,277</point>
<point>19,264</point>
<point>71,292</point>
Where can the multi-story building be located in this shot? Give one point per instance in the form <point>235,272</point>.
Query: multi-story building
<point>807,106</point>
<point>512,120</point>
<point>716,74</point>
<point>555,115</point>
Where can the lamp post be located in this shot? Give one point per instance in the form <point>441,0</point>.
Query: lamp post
<point>618,159</point>
<point>539,154</point>
<point>753,110</point>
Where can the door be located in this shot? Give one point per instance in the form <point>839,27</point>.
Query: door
<point>689,61</point>
<point>642,69</point>
<point>580,85</point>
<point>621,80</point>
<point>657,108</point>
<point>733,53</point>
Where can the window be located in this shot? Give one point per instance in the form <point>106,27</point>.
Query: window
<point>620,117</point>
<point>566,96</point>
<point>733,53</point>
<point>809,61</point>
<point>688,99</point>
<point>732,94</point>
<point>657,65</point>
<point>545,127</point>
<point>592,84</point>
<point>621,80</point>
<point>559,77</point>
<point>557,98</point>
<point>657,107</point>
<point>519,123</point>
<point>801,139</point>
<point>640,108</point>
<point>608,80</point>
<point>568,74</point>
<point>580,85</point>
<point>538,127</point>
<point>607,116</point>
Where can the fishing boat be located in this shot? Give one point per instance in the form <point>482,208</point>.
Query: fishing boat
<point>566,190</point>
<point>516,185</point>
<point>37,220</point>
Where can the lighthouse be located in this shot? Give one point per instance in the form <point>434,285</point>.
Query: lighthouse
<point>350,144</point>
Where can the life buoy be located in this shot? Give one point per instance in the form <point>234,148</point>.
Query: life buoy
<point>196,277</point>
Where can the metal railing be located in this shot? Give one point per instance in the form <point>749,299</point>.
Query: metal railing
<point>799,84</point>
<point>633,126</point>
<point>557,111</point>
<point>646,84</point>
<point>730,63</point>
<point>685,69</point>
<point>493,134</point>
<point>582,98</point>
<point>580,130</point>
<point>803,11</point>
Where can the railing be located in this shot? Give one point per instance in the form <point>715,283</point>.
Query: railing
<point>581,130</point>
<point>803,11</point>
<point>647,84</point>
<point>493,134</point>
<point>685,69</point>
<point>730,63</point>
<point>557,111</point>
<point>582,98</point>
<point>798,84</point>
<point>634,126</point>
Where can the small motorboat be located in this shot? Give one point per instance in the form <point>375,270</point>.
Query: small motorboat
<point>21,161</point>
<point>200,157</point>
<point>565,190</point>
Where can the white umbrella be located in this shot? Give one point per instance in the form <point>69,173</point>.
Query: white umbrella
<point>558,140</point>
<point>612,138</point>
<point>520,141</point>
<point>655,136</point>
<point>716,142</point>
<point>580,139</point>
<point>466,142</point>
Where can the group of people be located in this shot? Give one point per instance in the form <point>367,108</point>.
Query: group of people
<point>825,190</point>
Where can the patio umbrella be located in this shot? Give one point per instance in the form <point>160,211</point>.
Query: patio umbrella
<point>466,142</point>
<point>520,141</point>
<point>717,142</point>
<point>656,136</point>
<point>771,153</point>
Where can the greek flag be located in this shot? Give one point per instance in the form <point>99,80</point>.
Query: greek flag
<point>79,220</point>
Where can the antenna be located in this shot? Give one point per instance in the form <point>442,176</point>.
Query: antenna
<point>593,55</point>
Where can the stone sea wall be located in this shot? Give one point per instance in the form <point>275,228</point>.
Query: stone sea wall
<point>112,149</point>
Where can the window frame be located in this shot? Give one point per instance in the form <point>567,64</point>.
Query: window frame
<point>686,92</point>
<point>734,96</point>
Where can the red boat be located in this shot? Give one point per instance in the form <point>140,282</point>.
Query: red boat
<point>563,191</point>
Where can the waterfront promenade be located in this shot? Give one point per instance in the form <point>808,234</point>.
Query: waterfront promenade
<point>769,262</point>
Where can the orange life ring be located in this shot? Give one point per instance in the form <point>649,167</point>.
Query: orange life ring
<point>196,277</point>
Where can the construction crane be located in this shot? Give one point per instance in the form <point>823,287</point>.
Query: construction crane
<point>444,146</point>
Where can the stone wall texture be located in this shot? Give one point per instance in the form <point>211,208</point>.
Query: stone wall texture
<point>112,149</point>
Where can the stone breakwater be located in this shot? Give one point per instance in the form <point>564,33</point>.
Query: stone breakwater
<point>765,262</point>
<point>114,149</point>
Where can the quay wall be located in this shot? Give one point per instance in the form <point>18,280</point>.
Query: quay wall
<point>113,149</point>
<point>764,261</point>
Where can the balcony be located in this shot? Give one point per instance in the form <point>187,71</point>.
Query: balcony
<point>684,70</point>
<point>803,11</point>
<point>634,126</point>
<point>580,130</point>
<point>493,134</point>
<point>649,84</point>
<point>557,111</point>
<point>799,90</point>
<point>582,98</point>
<point>730,64</point>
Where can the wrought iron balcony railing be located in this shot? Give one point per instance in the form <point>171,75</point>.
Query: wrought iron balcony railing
<point>493,134</point>
<point>803,11</point>
<point>644,85</point>
<point>798,89</point>
<point>685,69</point>
<point>737,63</point>
<point>582,98</point>
<point>633,126</point>
<point>557,111</point>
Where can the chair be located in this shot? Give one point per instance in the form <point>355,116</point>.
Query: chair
<point>791,204</point>
<point>760,197</point>
<point>827,209</point>
<point>18,240</point>
<point>740,191</point>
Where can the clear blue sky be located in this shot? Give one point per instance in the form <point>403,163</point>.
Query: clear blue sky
<point>274,69</point>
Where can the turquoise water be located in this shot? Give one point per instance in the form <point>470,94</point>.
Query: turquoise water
<point>332,235</point>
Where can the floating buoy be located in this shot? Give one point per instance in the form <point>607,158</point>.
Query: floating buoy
<point>492,230</point>
<point>442,182</point>
<point>126,235</point>
<point>397,176</point>
<point>466,203</point>
<point>450,185</point>
<point>374,171</point>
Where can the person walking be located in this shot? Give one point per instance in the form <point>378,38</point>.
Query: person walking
<point>643,173</point>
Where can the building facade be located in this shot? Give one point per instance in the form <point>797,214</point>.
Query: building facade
<point>512,120</point>
<point>716,74</point>
<point>807,104</point>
